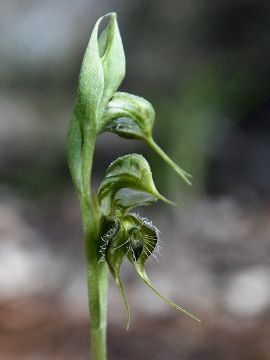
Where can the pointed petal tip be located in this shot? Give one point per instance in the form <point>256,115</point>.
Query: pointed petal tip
<point>189,315</point>
<point>125,300</point>
<point>182,173</point>
<point>143,275</point>
<point>110,14</point>
<point>167,201</point>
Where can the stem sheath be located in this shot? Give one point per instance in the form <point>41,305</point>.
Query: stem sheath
<point>97,275</point>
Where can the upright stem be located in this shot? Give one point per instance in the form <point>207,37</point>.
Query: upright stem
<point>97,276</point>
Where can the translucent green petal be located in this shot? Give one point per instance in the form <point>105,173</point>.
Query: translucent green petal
<point>128,183</point>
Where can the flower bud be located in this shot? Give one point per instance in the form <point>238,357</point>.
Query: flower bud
<point>102,71</point>
<point>131,116</point>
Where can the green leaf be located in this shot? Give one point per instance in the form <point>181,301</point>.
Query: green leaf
<point>74,151</point>
<point>91,81</point>
<point>133,117</point>
<point>128,183</point>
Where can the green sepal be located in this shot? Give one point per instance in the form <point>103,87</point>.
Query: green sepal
<point>128,183</point>
<point>149,234</point>
<point>140,269</point>
<point>137,239</point>
<point>129,116</point>
<point>133,117</point>
<point>150,238</point>
<point>114,250</point>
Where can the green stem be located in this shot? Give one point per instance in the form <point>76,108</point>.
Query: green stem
<point>97,276</point>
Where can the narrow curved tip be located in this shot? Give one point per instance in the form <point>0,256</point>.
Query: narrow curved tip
<point>111,14</point>
<point>141,272</point>
<point>124,298</point>
<point>167,201</point>
<point>182,173</point>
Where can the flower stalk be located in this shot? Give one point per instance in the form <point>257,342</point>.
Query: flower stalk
<point>111,233</point>
<point>97,274</point>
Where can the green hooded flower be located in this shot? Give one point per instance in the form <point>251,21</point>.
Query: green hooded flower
<point>136,239</point>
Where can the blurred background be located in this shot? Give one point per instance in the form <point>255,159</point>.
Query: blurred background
<point>204,65</point>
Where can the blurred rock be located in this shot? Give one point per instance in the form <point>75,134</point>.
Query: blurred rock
<point>247,293</point>
<point>42,42</point>
<point>27,267</point>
